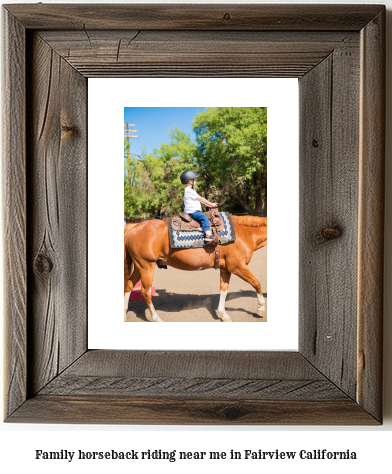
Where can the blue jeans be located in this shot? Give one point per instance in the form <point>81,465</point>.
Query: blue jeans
<point>202,219</point>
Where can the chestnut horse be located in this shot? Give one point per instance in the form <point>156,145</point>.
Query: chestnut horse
<point>148,242</point>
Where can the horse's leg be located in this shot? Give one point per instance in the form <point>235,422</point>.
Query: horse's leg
<point>244,273</point>
<point>129,285</point>
<point>224,286</point>
<point>147,277</point>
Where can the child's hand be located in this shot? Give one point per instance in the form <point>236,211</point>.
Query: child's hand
<point>214,204</point>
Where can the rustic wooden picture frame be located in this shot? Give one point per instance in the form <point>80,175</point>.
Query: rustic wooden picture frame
<point>337,52</point>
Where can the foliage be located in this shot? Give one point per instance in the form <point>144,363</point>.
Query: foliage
<point>152,181</point>
<point>175,157</point>
<point>230,154</point>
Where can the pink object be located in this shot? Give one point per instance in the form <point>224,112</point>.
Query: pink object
<point>136,294</point>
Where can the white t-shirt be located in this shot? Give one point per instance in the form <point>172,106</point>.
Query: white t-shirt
<point>191,203</point>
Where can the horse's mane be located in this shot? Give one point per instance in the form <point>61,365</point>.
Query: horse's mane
<point>252,221</point>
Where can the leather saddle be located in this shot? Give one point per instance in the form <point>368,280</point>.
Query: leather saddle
<point>184,222</point>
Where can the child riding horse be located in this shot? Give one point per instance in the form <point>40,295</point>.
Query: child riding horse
<point>193,203</point>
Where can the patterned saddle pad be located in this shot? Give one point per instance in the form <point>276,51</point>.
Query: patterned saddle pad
<point>186,239</point>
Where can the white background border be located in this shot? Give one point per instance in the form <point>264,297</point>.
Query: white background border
<point>107,99</point>
<point>18,441</point>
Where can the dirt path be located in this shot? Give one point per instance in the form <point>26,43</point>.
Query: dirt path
<point>194,296</point>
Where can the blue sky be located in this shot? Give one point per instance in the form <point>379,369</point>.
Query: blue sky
<point>153,124</point>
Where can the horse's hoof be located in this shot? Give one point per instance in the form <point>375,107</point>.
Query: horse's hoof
<point>226,319</point>
<point>223,316</point>
<point>261,311</point>
<point>157,320</point>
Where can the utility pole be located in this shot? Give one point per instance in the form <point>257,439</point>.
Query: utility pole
<point>127,132</point>
<point>127,135</point>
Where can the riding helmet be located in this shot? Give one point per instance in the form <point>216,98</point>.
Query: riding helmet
<point>187,175</point>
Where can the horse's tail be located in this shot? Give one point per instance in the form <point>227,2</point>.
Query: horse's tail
<point>128,263</point>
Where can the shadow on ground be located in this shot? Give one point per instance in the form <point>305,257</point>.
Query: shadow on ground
<point>168,302</point>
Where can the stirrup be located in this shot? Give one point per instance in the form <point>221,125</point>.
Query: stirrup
<point>213,239</point>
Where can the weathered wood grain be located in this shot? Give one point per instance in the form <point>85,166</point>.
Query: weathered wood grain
<point>194,17</point>
<point>192,387</point>
<point>208,364</point>
<point>371,216</point>
<point>57,215</point>
<point>58,409</point>
<point>121,43</point>
<point>129,53</point>
<point>329,137</point>
<point>14,212</point>
<point>203,388</point>
<point>332,380</point>
<point>217,70</point>
<point>206,374</point>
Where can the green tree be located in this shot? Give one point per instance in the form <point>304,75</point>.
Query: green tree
<point>140,196</point>
<point>232,155</point>
<point>152,180</point>
<point>176,156</point>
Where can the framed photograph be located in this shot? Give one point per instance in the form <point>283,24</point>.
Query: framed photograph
<point>201,220</point>
<point>52,374</point>
<point>189,296</point>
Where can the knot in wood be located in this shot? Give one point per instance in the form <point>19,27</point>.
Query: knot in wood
<point>315,143</point>
<point>232,412</point>
<point>328,233</point>
<point>68,128</point>
<point>43,264</point>
<point>227,16</point>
